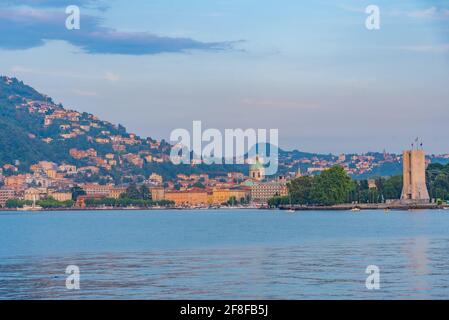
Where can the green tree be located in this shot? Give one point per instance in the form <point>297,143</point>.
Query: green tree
<point>232,201</point>
<point>145,193</point>
<point>50,202</point>
<point>392,188</point>
<point>299,190</point>
<point>132,192</point>
<point>331,187</point>
<point>277,201</point>
<point>198,185</point>
<point>17,203</point>
<point>76,192</point>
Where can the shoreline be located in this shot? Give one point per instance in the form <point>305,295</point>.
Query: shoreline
<point>343,207</point>
<point>367,206</point>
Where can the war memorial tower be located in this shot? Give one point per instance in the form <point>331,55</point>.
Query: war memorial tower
<point>414,172</point>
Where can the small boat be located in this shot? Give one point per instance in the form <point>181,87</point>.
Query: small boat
<point>387,210</point>
<point>355,209</point>
<point>291,211</point>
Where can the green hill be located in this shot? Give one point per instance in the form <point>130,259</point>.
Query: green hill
<point>33,128</point>
<point>19,129</point>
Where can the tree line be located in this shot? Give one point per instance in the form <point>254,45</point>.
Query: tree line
<point>334,186</point>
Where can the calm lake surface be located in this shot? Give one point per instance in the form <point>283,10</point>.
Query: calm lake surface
<point>224,254</point>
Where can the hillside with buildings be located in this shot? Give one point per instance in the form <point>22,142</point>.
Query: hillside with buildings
<point>34,129</point>
<point>47,150</point>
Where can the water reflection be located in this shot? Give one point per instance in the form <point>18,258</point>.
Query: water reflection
<point>411,268</point>
<point>247,254</point>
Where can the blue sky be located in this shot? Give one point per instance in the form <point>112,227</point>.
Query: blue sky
<point>309,68</point>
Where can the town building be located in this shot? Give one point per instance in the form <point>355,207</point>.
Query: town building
<point>81,200</point>
<point>116,192</point>
<point>15,181</point>
<point>61,196</point>
<point>257,170</point>
<point>156,178</point>
<point>5,195</point>
<point>134,159</point>
<point>221,196</point>
<point>264,191</point>
<point>79,154</point>
<point>238,176</point>
<point>194,197</point>
<point>157,193</point>
<point>96,190</point>
<point>35,194</point>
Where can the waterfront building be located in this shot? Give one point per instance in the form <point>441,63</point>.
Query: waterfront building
<point>61,196</point>
<point>81,200</point>
<point>264,191</point>
<point>223,195</point>
<point>220,196</point>
<point>241,194</point>
<point>35,194</point>
<point>5,195</point>
<point>157,193</point>
<point>116,192</point>
<point>193,197</point>
<point>97,190</point>
<point>414,177</point>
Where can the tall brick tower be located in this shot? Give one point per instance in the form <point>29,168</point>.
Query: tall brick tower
<point>414,171</point>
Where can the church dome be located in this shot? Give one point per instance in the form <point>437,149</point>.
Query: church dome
<point>257,165</point>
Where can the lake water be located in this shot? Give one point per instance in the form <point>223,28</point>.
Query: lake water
<point>224,254</point>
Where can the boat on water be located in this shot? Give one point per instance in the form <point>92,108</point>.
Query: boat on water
<point>291,211</point>
<point>355,209</point>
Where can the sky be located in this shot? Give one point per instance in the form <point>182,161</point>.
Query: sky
<point>308,68</point>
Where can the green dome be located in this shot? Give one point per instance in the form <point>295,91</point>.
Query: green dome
<point>257,166</point>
